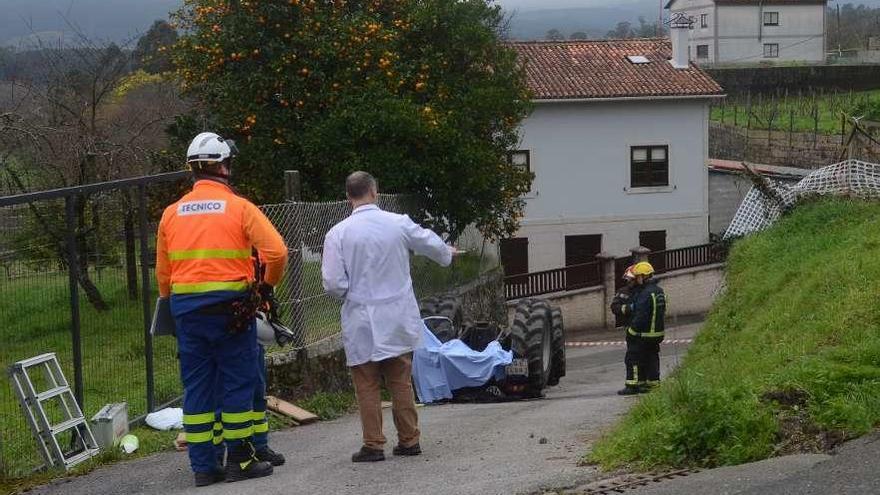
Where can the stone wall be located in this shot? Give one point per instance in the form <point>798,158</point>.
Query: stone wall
<point>582,309</point>
<point>321,367</point>
<point>742,80</point>
<point>690,292</point>
<point>796,149</point>
<point>483,299</point>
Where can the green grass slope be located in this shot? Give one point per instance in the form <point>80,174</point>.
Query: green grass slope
<point>789,359</point>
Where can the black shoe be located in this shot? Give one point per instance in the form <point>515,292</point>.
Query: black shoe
<point>205,479</point>
<point>252,468</point>
<point>270,456</point>
<point>628,390</point>
<point>412,450</point>
<point>367,454</point>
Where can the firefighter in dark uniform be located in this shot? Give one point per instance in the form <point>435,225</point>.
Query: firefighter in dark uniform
<point>646,310</point>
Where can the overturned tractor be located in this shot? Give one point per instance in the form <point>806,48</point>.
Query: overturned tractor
<point>535,338</point>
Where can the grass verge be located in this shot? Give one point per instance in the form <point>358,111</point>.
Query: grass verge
<point>327,406</point>
<point>788,360</point>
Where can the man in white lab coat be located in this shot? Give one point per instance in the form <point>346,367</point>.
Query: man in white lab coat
<point>366,264</point>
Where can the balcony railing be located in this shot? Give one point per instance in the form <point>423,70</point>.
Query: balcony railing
<point>557,280</point>
<point>590,274</point>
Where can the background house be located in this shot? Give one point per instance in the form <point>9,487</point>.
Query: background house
<point>754,31</point>
<point>618,144</point>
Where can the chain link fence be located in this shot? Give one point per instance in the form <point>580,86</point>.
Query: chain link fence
<point>77,278</point>
<point>769,199</point>
<point>312,313</point>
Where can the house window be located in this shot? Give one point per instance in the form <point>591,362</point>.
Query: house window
<point>771,18</point>
<point>702,51</point>
<point>704,20</point>
<point>771,50</point>
<point>515,255</point>
<point>649,166</point>
<point>520,159</point>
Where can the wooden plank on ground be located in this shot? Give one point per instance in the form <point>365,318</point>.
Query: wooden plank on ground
<point>386,404</point>
<point>286,408</point>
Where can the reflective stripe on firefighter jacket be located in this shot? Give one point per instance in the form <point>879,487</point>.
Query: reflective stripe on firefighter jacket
<point>205,243</point>
<point>648,310</point>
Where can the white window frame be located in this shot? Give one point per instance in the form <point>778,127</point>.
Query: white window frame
<point>771,53</point>
<point>528,166</point>
<point>704,21</point>
<point>670,177</point>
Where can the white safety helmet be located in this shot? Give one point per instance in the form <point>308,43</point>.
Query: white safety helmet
<point>209,147</point>
<point>272,332</point>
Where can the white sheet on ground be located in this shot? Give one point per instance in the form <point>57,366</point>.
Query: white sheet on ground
<point>438,369</point>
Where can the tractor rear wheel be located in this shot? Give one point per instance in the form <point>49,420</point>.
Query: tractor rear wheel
<point>447,306</point>
<point>531,338</point>
<point>557,370</point>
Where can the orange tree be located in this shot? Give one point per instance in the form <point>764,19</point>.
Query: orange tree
<point>423,94</point>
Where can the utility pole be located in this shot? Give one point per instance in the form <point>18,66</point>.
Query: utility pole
<point>659,21</point>
<point>839,48</point>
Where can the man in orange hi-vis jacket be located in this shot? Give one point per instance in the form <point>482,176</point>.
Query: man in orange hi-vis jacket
<point>204,264</point>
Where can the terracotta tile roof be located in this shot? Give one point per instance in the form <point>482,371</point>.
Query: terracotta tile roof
<point>600,69</point>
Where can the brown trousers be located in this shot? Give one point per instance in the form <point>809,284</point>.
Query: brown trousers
<point>367,380</point>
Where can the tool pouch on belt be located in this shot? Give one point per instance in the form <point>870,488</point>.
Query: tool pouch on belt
<point>243,311</point>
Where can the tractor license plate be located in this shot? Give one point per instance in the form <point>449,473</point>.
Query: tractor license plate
<point>518,367</point>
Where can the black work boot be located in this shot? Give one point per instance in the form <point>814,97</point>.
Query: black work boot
<point>367,454</point>
<point>242,464</point>
<point>629,390</point>
<point>205,479</point>
<point>268,455</point>
<point>408,451</point>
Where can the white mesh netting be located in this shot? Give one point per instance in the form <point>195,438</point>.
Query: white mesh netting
<point>765,203</point>
<point>303,304</point>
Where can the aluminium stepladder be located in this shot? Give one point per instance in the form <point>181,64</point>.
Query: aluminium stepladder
<point>83,444</point>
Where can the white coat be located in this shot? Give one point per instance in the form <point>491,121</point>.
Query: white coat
<point>366,263</point>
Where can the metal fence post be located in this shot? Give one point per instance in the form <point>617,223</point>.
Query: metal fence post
<point>73,276</point>
<point>145,295</point>
<point>294,240</point>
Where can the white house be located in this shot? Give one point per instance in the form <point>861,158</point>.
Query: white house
<point>618,143</point>
<point>754,31</point>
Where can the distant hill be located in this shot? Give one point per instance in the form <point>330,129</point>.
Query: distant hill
<point>123,20</point>
<point>107,20</point>
<point>594,21</point>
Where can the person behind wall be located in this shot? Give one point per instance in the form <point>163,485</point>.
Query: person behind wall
<point>645,310</point>
<point>620,303</point>
<point>366,264</point>
<point>204,264</point>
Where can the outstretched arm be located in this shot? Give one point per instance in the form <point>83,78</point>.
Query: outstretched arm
<point>426,243</point>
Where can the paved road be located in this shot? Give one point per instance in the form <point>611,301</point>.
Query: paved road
<point>469,448</point>
<point>852,471</point>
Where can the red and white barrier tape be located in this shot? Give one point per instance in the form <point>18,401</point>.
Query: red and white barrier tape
<point>607,343</point>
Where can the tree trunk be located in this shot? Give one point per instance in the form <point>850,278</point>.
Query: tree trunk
<point>90,289</point>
